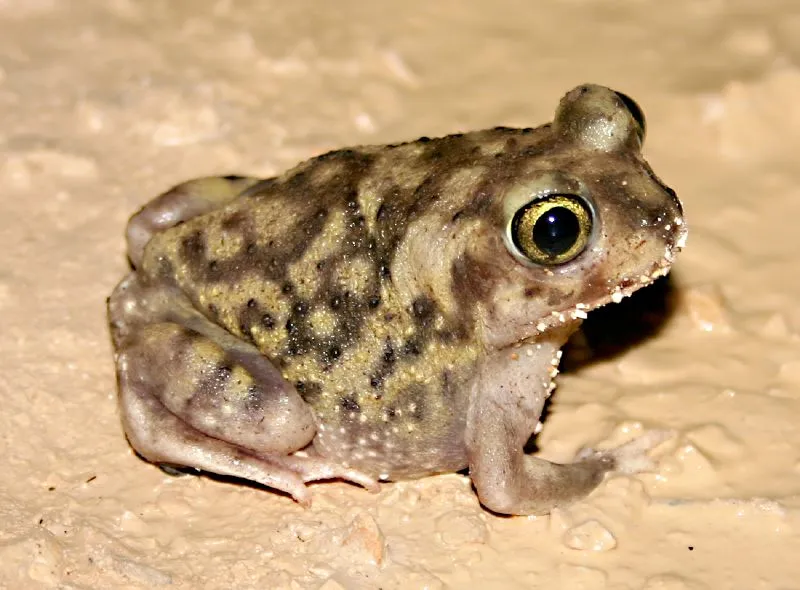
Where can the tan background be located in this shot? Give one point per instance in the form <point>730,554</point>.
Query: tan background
<point>104,103</point>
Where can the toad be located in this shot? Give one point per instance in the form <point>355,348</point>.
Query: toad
<point>391,312</point>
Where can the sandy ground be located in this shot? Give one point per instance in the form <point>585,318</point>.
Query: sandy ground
<point>105,103</point>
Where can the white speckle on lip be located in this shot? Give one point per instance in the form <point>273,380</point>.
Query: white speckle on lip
<point>578,314</point>
<point>617,296</point>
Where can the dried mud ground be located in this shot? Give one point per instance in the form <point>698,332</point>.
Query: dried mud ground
<point>103,104</point>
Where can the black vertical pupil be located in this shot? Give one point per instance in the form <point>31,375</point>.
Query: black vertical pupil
<point>556,231</point>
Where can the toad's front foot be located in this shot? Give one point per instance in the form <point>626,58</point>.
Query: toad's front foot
<point>530,485</point>
<point>630,457</point>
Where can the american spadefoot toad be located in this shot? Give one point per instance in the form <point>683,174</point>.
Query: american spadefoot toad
<point>388,312</point>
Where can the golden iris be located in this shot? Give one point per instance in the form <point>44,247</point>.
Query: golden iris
<point>552,230</point>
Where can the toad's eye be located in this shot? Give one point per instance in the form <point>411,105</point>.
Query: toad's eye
<point>552,230</point>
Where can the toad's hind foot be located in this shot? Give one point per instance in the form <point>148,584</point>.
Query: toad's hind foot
<point>314,468</point>
<point>178,448</point>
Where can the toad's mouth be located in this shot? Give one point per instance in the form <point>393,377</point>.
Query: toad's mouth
<point>569,318</point>
<point>515,325</point>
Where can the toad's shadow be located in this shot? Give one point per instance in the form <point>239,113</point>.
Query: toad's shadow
<point>613,329</point>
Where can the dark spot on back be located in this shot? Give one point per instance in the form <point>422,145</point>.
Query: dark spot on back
<point>223,372</point>
<point>298,179</point>
<point>423,308</point>
<point>253,314</point>
<point>193,247</point>
<point>350,404</point>
<point>411,347</point>
<point>235,222</point>
<point>385,366</point>
<point>388,352</point>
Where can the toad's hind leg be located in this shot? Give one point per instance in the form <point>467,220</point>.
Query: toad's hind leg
<point>182,203</point>
<point>193,395</point>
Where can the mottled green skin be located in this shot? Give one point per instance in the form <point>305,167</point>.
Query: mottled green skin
<point>378,280</point>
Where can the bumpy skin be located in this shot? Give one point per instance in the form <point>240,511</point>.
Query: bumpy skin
<point>368,309</point>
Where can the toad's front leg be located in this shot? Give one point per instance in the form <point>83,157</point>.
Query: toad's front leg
<point>505,406</point>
